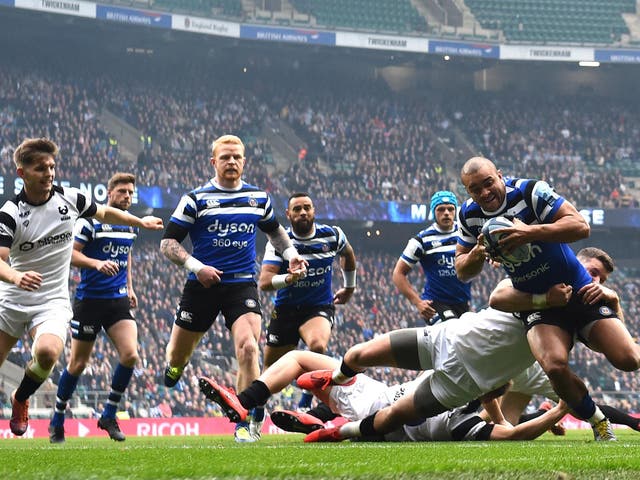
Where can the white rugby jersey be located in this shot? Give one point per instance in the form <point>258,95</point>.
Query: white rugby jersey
<point>490,344</point>
<point>40,238</point>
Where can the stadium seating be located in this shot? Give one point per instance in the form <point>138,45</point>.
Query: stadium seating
<point>378,15</point>
<point>549,21</point>
<point>206,8</point>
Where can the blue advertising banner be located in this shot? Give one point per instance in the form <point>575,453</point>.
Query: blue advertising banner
<point>7,3</point>
<point>291,35</point>
<point>441,47</point>
<point>133,17</point>
<point>617,56</point>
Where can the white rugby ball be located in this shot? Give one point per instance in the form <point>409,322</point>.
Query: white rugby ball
<point>491,239</point>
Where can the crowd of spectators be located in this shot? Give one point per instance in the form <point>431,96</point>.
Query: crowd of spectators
<point>363,142</point>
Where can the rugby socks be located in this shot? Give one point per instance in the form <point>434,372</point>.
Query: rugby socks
<point>66,387</point>
<point>121,379</point>
<point>27,387</point>
<point>254,395</point>
<point>361,428</point>
<point>322,412</point>
<point>617,416</point>
<point>344,374</point>
<point>587,410</point>
<point>305,399</point>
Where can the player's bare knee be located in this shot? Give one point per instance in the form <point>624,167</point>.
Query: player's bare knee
<point>77,366</point>
<point>247,351</point>
<point>46,356</point>
<point>556,370</point>
<point>317,346</point>
<point>628,362</point>
<point>129,359</point>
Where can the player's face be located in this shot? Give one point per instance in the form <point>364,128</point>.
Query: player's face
<point>445,215</point>
<point>301,215</point>
<point>121,196</point>
<point>228,162</point>
<point>596,269</point>
<point>38,178</point>
<point>486,187</point>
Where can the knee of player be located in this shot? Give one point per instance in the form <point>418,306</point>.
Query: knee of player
<point>247,350</point>
<point>629,361</point>
<point>129,359</point>
<point>46,356</point>
<point>355,356</point>
<point>317,345</point>
<point>556,368</point>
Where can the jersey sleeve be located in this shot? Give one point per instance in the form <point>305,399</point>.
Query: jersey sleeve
<point>185,212</point>
<point>412,252</point>
<point>544,201</point>
<point>465,237</point>
<point>268,223</point>
<point>83,231</point>
<point>341,239</point>
<point>271,257</point>
<point>7,226</point>
<point>86,208</point>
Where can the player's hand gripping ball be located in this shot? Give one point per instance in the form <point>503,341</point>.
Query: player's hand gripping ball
<point>491,238</point>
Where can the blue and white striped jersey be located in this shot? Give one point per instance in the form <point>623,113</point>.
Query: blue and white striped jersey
<point>103,241</point>
<point>532,202</point>
<point>320,248</point>
<point>40,238</point>
<point>435,250</point>
<point>222,226</point>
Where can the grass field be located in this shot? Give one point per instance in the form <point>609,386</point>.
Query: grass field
<point>285,456</point>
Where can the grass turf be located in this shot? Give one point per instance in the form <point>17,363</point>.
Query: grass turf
<point>576,456</point>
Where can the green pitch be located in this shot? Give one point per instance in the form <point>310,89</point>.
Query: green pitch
<point>285,456</point>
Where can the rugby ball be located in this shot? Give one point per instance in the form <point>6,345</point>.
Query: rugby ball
<point>491,239</point>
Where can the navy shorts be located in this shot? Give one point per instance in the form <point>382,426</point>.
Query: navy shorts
<point>286,321</point>
<point>199,306</point>
<point>90,315</point>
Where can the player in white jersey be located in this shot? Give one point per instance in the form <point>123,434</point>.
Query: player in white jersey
<point>222,218</point>
<point>305,307</point>
<point>36,241</point>
<point>363,396</point>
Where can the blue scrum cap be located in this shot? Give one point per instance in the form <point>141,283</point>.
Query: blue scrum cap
<point>438,198</point>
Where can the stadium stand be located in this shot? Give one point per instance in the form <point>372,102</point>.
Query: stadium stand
<point>549,21</point>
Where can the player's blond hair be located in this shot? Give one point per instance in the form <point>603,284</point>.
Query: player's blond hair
<point>32,150</point>
<point>226,139</point>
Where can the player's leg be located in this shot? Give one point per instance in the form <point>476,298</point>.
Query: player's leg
<point>48,343</point>
<point>6,344</point>
<point>182,343</point>
<point>610,337</point>
<point>78,360</point>
<point>315,333</point>
<point>513,404</point>
<point>399,348</point>
<point>124,335</point>
<point>550,346</point>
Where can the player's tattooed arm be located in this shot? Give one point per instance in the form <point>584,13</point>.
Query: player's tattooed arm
<point>175,252</point>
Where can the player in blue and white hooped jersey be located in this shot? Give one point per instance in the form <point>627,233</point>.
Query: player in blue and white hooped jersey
<point>304,307</point>
<point>222,218</point>
<point>36,242</point>
<point>548,222</point>
<point>103,300</point>
<point>444,296</point>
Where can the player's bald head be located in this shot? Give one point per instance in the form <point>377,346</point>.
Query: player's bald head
<point>475,164</point>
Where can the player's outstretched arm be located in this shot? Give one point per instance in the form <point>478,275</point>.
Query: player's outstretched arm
<point>108,214</point>
<point>506,298</point>
<point>533,428</point>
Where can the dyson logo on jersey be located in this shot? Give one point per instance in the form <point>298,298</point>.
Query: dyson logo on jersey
<point>115,250</point>
<point>511,266</point>
<point>447,261</point>
<point>312,272</point>
<point>224,229</point>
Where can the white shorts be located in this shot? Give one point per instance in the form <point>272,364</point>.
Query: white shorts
<point>359,400</point>
<point>52,317</point>
<point>533,381</point>
<point>451,383</point>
